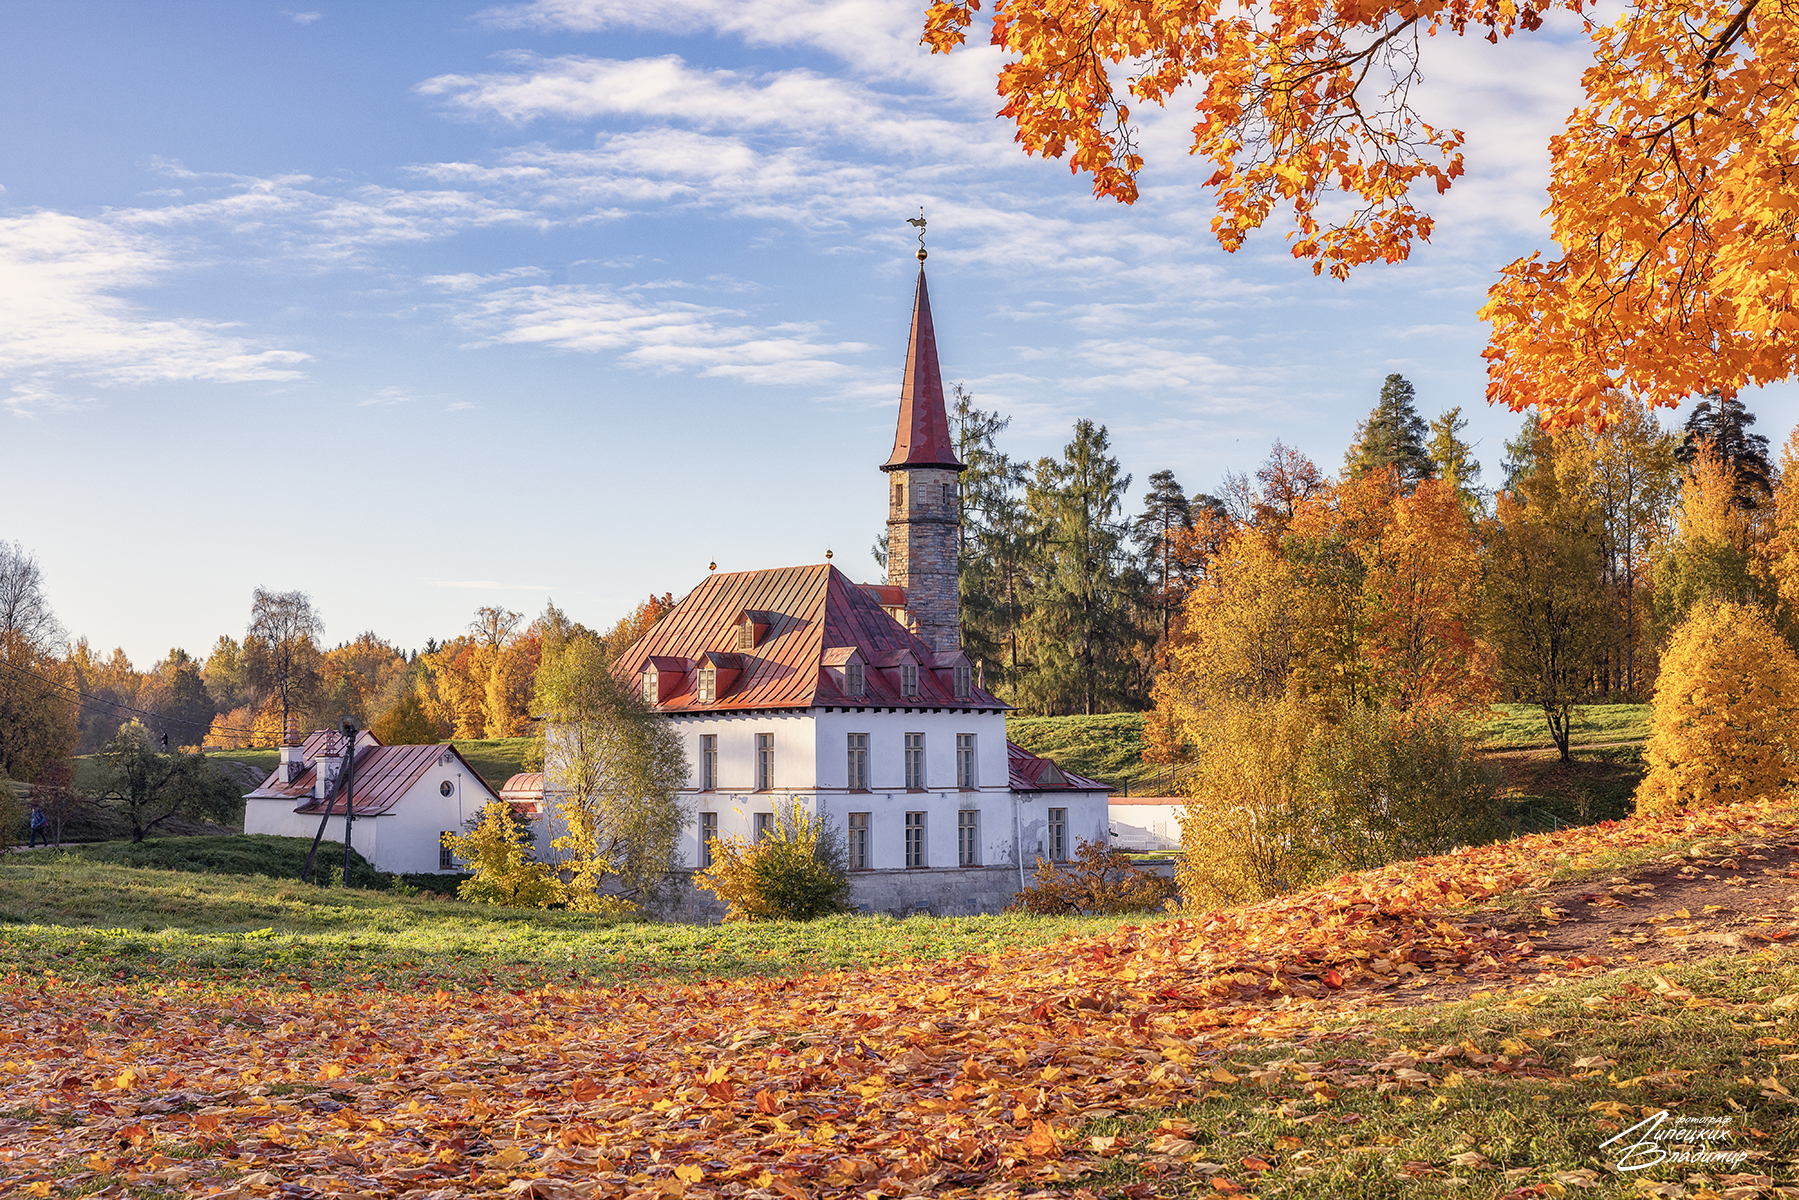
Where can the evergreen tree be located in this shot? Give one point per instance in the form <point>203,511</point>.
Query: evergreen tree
<point>1081,633</point>
<point>1724,422</point>
<point>1392,436</point>
<point>993,546</point>
<point>1452,460</point>
<point>1166,510</point>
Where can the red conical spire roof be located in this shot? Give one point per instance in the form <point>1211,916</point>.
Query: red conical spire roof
<point>923,438</point>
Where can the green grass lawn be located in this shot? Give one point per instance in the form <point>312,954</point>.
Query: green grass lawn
<point>1521,726</point>
<point>1107,747</point>
<point>91,913</point>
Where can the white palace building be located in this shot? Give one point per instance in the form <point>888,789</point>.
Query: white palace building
<point>857,701</point>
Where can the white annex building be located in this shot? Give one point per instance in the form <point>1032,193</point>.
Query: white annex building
<point>857,701</point>
<point>405,798</point>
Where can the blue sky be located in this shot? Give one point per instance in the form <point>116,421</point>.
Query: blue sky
<point>422,306</point>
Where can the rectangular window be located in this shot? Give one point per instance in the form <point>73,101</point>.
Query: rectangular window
<point>858,765</point>
<point>859,841</point>
<point>708,684</point>
<point>708,831</point>
<point>949,495</point>
<point>649,685</point>
<point>765,825</point>
<point>445,860</point>
<point>964,681</point>
<point>915,762</point>
<point>908,679</point>
<point>968,837</point>
<point>708,762</point>
<point>852,679</point>
<point>765,761</point>
<point>915,839</point>
<point>899,495</point>
<point>746,635</point>
<point>965,776</point>
<point>1058,835</point>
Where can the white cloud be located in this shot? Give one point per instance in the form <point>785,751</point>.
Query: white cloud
<point>460,406</point>
<point>60,315</point>
<point>302,18</point>
<point>30,398</point>
<point>386,397</point>
<point>877,37</point>
<point>798,103</point>
<point>661,335</point>
<point>298,217</point>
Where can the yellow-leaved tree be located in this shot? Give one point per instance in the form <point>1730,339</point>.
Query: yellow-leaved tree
<point>497,852</point>
<point>1725,706</point>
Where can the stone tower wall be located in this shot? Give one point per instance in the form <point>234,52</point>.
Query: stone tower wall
<point>922,523</point>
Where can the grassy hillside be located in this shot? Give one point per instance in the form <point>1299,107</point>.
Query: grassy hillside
<point>1521,726</point>
<point>1110,747</point>
<point>100,912</point>
<point>1480,1024</point>
<point>1107,747</point>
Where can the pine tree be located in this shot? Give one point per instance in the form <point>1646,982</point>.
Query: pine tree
<point>1724,422</point>
<point>1166,511</point>
<point>1392,436</point>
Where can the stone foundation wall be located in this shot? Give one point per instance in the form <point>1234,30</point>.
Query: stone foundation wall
<point>937,892</point>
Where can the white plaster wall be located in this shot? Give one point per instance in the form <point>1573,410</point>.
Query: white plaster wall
<point>401,841</point>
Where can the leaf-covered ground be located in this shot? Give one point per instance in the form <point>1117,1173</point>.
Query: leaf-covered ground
<point>1420,1030</point>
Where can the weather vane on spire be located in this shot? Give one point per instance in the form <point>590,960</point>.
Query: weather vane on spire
<point>919,221</point>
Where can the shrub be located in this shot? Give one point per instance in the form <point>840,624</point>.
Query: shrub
<point>798,871</point>
<point>1721,729</point>
<point>1099,882</point>
<point>503,871</point>
<point>1282,796</point>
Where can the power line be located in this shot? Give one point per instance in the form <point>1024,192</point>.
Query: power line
<point>89,699</point>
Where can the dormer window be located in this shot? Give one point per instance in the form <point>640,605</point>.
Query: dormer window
<point>649,685</point>
<point>964,681</point>
<point>852,679</point>
<point>746,635</point>
<point>908,679</point>
<point>707,684</point>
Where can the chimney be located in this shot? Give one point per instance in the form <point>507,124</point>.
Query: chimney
<point>293,754</point>
<point>327,764</point>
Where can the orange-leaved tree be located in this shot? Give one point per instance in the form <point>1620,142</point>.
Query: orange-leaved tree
<point>1671,191</point>
<point>1725,707</point>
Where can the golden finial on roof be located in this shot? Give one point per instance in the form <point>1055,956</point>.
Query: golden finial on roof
<point>827,555</point>
<point>919,221</point>
<point>712,566</point>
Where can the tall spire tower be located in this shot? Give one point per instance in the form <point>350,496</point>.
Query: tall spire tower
<point>923,509</point>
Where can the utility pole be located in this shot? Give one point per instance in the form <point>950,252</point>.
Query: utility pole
<point>349,772</point>
<point>344,779</point>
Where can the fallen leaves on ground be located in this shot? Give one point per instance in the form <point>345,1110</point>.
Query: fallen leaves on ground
<point>971,1075</point>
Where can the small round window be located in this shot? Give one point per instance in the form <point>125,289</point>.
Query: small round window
<point>446,787</point>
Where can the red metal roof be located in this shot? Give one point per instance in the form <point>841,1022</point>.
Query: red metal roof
<point>811,611</point>
<point>1031,773</point>
<point>383,775</point>
<point>923,438</point>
